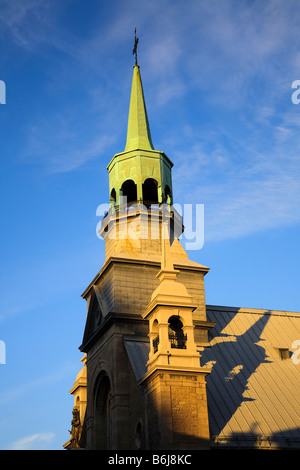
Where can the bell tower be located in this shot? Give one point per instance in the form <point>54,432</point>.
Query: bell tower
<point>130,335</point>
<point>140,174</point>
<point>174,384</point>
<point>140,186</point>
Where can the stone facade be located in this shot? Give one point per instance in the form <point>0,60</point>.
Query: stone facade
<point>177,411</point>
<point>124,289</point>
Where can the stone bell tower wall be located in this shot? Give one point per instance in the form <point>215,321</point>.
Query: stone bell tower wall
<point>128,284</point>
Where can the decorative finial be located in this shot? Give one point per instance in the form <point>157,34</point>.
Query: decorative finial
<point>134,51</point>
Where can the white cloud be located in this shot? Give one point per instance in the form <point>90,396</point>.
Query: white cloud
<point>37,441</point>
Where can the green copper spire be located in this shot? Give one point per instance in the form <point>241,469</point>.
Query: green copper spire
<point>140,174</point>
<point>138,131</point>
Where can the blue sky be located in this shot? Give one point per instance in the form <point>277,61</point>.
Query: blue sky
<point>217,78</point>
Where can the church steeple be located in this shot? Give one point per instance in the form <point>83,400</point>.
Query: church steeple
<point>138,131</point>
<point>140,174</point>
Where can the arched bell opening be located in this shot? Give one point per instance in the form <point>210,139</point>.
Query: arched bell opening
<point>128,192</point>
<point>113,197</point>
<point>168,195</point>
<point>154,331</point>
<point>176,335</point>
<point>150,192</point>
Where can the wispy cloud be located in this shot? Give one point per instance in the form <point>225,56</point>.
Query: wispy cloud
<point>59,374</point>
<point>37,441</point>
<point>76,142</point>
<point>253,188</point>
<point>252,207</point>
<point>60,155</point>
<point>17,17</point>
<point>242,57</point>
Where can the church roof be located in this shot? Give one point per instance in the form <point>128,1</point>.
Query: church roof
<point>253,389</point>
<point>138,349</point>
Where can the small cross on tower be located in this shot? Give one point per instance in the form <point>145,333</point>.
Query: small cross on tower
<point>134,51</point>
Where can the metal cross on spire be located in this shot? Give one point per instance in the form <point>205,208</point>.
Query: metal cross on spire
<point>134,51</point>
